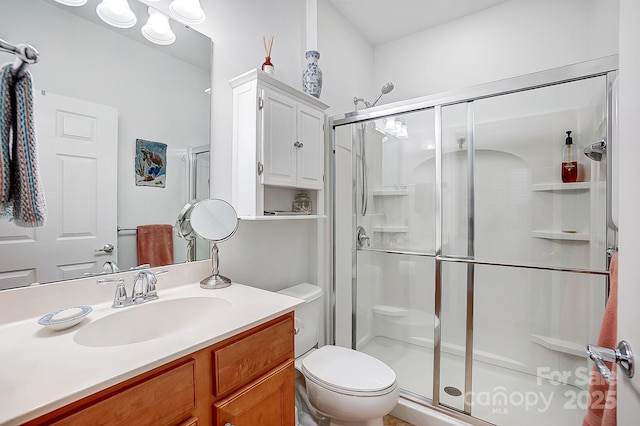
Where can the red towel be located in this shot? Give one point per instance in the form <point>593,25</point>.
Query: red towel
<point>602,396</point>
<point>155,244</point>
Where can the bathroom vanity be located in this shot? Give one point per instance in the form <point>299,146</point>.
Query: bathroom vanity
<point>235,367</point>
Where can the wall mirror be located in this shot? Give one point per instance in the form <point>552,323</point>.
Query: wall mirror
<point>213,220</point>
<point>88,71</point>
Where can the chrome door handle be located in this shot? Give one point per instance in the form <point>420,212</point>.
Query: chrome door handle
<point>107,248</point>
<point>622,355</point>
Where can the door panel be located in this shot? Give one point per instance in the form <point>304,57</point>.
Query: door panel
<point>310,156</point>
<point>279,155</point>
<point>77,143</point>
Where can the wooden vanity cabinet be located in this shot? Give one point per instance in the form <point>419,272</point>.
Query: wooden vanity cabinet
<point>247,380</point>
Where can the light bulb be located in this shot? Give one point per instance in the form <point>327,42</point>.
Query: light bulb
<point>187,11</point>
<point>116,13</point>
<point>74,3</point>
<point>157,29</point>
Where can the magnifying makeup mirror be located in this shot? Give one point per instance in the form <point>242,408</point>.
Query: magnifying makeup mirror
<point>213,220</point>
<point>183,229</point>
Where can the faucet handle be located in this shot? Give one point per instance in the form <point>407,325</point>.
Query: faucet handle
<point>120,297</point>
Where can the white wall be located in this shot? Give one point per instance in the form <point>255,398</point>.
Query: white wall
<point>346,60</point>
<point>269,254</point>
<point>82,60</point>
<point>514,38</point>
<point>628,293</point>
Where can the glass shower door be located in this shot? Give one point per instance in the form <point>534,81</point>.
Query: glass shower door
<point>524,255</point>
<point>395,200</point>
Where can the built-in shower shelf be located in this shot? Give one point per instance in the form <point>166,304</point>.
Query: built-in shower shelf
<point>575,186</point>
<point>390,229</point>
<point>390,192</point>
<point>559,235</point>
<point>559,345</point>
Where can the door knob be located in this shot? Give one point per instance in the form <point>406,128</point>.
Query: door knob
<point>107,248</point>
<point>361,237</point>
<point>621,355</point>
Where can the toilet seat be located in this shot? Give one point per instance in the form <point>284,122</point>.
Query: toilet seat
<point>348,372</point>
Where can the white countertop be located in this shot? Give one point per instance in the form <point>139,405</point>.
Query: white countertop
<point>42,370</point>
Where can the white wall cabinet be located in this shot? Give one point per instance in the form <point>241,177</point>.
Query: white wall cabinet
<point>278,146</point>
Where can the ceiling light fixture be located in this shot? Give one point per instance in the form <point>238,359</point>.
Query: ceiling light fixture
<point>395,127</point>
<point>157,29</point>
<point>116,13</point>
<point>73,3</point>
<point>187,11</point>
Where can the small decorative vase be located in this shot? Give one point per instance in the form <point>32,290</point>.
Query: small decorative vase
<point>267,66</point>
<point>312,75</point>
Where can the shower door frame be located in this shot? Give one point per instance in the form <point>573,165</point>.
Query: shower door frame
<point>604,67</point>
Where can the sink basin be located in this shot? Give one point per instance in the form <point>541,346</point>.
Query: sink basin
<point>152,320</point>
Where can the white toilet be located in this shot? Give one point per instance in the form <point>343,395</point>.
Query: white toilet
<point>349,387</point>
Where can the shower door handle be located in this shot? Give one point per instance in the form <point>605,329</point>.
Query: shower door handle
<point>622,355</point>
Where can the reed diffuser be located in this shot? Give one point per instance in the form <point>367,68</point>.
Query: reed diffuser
<point>267,66</point>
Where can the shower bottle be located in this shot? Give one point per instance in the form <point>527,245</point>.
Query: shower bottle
<point>569,161</point>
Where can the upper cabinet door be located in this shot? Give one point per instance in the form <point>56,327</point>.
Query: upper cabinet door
<point>310,148</point>
<point>279,152</point>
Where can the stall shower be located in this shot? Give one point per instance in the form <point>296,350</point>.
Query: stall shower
<point>476,273</point>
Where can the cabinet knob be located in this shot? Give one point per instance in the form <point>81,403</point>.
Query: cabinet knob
<point>229,424</point>
<point>298,144</point>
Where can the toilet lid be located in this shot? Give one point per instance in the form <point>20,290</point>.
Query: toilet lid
<point>347,371</point>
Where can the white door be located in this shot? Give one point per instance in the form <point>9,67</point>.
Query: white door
<point>310,151</point>
<point>77,150</point>
<point>279,137</point>
<point>629,274</point>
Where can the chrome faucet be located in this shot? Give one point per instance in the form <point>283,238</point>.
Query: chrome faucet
<point>140,292</point>
<point>110,266</point>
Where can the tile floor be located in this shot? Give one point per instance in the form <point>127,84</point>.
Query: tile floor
<point>393,421</point>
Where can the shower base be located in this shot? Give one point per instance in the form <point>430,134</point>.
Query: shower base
<point>500,395</point>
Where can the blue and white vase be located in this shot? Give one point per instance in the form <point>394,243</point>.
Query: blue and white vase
<point>312,75</point>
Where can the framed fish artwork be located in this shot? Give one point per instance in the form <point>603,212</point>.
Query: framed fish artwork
<point>151,163</point>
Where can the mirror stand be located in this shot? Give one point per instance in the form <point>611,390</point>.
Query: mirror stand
<point>191,249</point>
<point>215,280</point>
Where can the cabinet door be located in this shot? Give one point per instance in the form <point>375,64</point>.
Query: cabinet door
<point>268,401</point>
<point>279,137</point>
<point>310,150</point>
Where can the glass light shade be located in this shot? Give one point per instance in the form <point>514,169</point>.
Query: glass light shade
<point>157,29</point>
<point>116,13</point>
<point>72,2</point>
<point>187,11</point>
<point>404,133</point>
<point>389,124</point>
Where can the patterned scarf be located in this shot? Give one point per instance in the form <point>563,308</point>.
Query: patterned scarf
<point>22,195</point>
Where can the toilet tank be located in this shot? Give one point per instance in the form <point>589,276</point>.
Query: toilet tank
<point>308,315</point>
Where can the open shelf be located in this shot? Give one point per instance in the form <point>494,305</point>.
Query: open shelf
<point>559,235</point>
<point>390,192</point>
<point>574,186</point>
<point>390,228</point>
<point>558,345</point>
<point>284,217</point>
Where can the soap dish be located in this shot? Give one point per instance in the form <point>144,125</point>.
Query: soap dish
<point>65,318</point>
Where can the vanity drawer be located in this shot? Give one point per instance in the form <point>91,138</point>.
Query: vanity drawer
<point>164,399</point>
<point>244,360</point>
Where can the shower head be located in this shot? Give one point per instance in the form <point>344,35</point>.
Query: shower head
<point>595,151</point>
<point>383,91</point>
<point>387,88</point>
